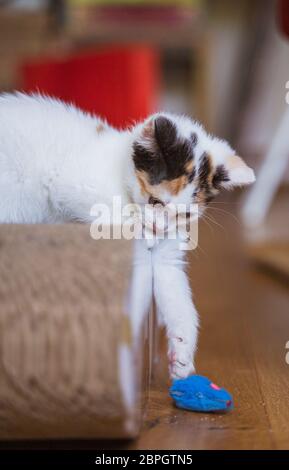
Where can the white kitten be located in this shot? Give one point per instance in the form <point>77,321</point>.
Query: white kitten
<point>56,162</point>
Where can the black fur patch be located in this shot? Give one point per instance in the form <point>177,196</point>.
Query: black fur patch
<point>220,176</point>
<point>205,189</point>
<point>192,175</point>
<point>209,179</point>
<point>147,161</point>
<point>204,171</point>
<point>209,197</point>
<point>165,133</point>
<point>168,158</point>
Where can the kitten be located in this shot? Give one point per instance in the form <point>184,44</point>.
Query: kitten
<point>56,162</point>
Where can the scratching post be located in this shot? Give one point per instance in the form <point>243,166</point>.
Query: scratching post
<point>68,367</point>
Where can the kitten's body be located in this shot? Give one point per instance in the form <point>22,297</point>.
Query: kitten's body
<point>56,162</point>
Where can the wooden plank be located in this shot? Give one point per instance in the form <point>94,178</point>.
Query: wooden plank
<point>268,327</point>
<point>274,256</point>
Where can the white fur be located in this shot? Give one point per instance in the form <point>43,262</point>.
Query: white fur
<point>55,165</point>
<point>175,307</point>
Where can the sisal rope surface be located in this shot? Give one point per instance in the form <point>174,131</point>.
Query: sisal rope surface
<point>61,316</point>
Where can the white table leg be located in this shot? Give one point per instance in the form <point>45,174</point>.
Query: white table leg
<point>270,176</point>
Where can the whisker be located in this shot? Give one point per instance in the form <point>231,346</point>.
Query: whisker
<point>199,248</point>
<point>228,203</point>
<point>215,222</point>
<point>206,219</point>
<point>227,213</point>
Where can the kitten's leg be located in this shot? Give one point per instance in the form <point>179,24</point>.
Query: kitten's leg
<point>140,293</point>
<point>174,303</point>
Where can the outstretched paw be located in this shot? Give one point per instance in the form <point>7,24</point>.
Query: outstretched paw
<point>180,359</point>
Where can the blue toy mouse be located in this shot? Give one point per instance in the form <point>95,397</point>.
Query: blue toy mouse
<point>197,393</point>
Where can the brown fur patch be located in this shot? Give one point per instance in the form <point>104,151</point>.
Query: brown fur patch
<point>143,182</point>
<point>189,166</point>
<point>173,186</point>
<point>176,185</point>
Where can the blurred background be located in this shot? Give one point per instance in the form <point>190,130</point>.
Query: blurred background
<point>224,63</point>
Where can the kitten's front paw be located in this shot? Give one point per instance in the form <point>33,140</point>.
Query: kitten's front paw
<point>180,370</point>
<point>180,359</point>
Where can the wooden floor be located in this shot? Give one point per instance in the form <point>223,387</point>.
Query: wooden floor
<point>244,330</point>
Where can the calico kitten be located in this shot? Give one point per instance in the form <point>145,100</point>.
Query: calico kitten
<point>56,162</point>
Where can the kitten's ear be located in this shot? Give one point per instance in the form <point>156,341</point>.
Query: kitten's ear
<point>159,130</point>
<point>238,173</point>
<point>147,132</point>
<point>230,170</point>
<point>165,133</point>
<point>233,172</point>
<point>147,156</point>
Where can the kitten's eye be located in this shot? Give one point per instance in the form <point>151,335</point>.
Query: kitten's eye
<point>154,201</point>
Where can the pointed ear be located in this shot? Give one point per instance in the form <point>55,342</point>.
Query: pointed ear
<point>148,130</point>
<point>237,173</point>
<point>165,133</point>
<point>146,155</point>
<point>159,130</point>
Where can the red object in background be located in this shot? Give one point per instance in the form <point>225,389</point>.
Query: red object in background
<point>283,16</point>
<point>117,83</point>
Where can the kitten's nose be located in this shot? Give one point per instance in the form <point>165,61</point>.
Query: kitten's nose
<point>154,201</point>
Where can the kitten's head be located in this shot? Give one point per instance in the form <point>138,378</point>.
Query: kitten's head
<point>176,161</point>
